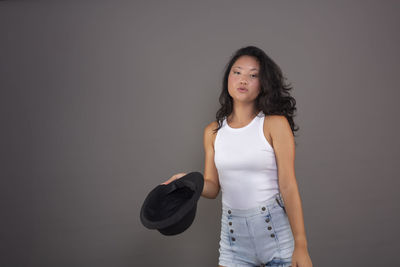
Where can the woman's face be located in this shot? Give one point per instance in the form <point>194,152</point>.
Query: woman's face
<point>244,74</point>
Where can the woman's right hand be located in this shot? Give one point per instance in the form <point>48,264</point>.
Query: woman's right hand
<point>174,177</point>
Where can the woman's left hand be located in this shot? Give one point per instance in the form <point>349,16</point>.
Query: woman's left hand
<point>301,258</point>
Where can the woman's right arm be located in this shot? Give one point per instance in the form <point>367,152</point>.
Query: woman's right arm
<point>211,181</point>
<point>211,186</point>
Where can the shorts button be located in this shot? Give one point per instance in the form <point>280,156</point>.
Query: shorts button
<point>267,220</point>
<point>263,208</point>
<point>269,227</point>
<point>233,239</point>
<point>272,235</point>
<point>231,231</point>
<point>229,211</point>
<point>230,223</point>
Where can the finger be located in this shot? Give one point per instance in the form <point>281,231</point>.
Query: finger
<point>168,181</point>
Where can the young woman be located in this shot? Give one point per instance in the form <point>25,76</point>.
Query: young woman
<point>249,155</point>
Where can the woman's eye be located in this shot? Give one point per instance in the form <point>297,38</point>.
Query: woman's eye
<point>252,75</point>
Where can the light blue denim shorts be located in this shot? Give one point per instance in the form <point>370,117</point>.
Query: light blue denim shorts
<point>260,236</point>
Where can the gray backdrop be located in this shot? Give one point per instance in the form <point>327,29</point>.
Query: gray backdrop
<point>103,100</point>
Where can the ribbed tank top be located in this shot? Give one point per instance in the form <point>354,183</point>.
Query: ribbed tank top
<point>246,164</point>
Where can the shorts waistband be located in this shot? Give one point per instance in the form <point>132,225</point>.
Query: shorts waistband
<point>259,209</point>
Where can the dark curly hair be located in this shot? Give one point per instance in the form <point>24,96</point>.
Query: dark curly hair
<point>274,97</point>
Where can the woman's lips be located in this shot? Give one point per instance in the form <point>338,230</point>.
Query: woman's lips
<point>242,90</point>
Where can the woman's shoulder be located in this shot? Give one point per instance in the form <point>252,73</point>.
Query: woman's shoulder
<point>209,133</point>
<point>276,124</point>
<point>210,127</point>
<point>275,119</point>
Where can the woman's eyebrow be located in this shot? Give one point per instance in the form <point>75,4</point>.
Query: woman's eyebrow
<point>250,70</point>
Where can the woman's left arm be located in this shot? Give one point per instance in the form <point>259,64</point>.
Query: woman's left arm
<point>284,147</point>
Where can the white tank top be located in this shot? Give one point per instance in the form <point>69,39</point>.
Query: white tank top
<point>246,164</point>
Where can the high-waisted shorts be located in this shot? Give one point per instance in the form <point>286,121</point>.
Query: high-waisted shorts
<point>260,236</point>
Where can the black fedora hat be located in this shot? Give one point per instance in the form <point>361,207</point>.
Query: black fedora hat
<point>171,208</point>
